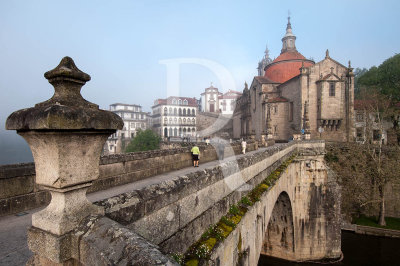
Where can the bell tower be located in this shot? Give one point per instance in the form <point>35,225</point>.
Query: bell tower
<point>289,40</point>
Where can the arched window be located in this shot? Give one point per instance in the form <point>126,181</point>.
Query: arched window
<point>170,132</point>
<point>184,121</point>
<point>180,132</point>
<point>179,101</point>
<point>193,121</point>
<point>185,102</point>
<point>188,112</point>
<point>193,129</point>
<point>180,111</point>
<point>165,111</point>
<point>165,132</point>
<point>175,111</point>
<point>175,120</point>
<point>184,112</point>
<point>184,131</point>
<point>175,132</point>
<point>180,121</point>
<point>165,120</point>
<point>170,110</point>
<point>170,120</point>
<point>193,112</point>
<point>188,130</point>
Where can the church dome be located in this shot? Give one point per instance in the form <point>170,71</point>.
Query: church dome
<point>287,65</point>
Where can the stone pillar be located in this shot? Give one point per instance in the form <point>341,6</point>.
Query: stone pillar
<point>66,134</point>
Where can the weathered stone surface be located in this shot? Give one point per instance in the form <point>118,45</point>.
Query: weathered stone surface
<point>105,242</point>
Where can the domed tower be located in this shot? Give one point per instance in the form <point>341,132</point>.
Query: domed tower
<point>288,63</point>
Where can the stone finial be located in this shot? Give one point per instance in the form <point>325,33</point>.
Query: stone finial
<point>327,54</point>
<point>246,87</point>
<point>66,135</point>
<point>349,64</point>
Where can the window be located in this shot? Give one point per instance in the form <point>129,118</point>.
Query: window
<point>193,112</point>
<point>376,135</point>
<point>175,112</point>
<point>132,125</point>
<point>193,121</point>
<point>179,101</point>
<point>165,111</point>
<point>165,120</point>
<point>132,135</point>
<point>359,132</point>
<point>275,130</point>
<point>184,112</point>
<point>175,120</point>
<point>170,110</point>
<point>173,101</point>
<point>332,89</point>
<point>291,111</point>
<point>185,102</point>
<point>142,116</point>
<point>275,109</point>
<point>170,120</point>
<point>122,135</point>
<point>184,121</point>
<point>180,111</point>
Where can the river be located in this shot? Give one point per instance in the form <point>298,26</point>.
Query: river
<point>357,250</point>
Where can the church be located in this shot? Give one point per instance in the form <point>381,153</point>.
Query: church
<point>293,96</point>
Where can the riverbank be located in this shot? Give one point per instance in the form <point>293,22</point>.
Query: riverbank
<point>369,226</point>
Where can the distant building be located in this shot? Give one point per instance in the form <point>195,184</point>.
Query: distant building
<point>213,101</point>
<point>293,95</point>
<point>134,119</point>
<point>175,117</point>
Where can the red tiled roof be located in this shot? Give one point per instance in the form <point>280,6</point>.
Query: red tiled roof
<point>289,55</point>
<point>286,66</point>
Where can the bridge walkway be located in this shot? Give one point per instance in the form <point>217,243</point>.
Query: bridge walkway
<point>13,228</point>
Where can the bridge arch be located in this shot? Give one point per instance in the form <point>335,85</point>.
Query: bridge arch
<point>279,233</point>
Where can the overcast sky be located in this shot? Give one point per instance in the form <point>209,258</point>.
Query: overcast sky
<point>121,43</point>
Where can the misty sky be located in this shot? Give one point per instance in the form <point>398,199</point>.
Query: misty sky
<point>120,44</point>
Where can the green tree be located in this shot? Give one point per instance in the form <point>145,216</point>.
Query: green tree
<point>144,141</point>
<point>385,78</point>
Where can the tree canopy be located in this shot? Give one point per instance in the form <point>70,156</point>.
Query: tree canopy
<point>144,141</point>
<point>386,78</point>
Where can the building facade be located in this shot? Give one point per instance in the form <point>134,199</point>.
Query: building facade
<point>297,96</point>
<point>213,101</point>
<point>175,117</point>
<point>134,119</point>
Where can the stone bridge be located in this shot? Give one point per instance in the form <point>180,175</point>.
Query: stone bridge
<point>281,200</point>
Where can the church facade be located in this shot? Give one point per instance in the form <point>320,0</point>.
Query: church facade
<point>295,96</point>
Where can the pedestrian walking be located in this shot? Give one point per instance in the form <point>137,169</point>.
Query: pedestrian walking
<point>195,155</point>
<point>244,145</point>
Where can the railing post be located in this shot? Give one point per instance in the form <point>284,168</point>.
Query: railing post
<point>66,134</point>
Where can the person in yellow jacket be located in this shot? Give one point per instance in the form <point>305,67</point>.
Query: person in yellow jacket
<point>195,155</point>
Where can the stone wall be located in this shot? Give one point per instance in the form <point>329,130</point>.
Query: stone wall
<point>18,191</point>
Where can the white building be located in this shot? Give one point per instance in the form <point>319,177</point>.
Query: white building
<point>175,117</point>
<point>213,101</point>
<point>134,119</point>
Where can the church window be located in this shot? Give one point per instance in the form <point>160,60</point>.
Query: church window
<point>332,89</point>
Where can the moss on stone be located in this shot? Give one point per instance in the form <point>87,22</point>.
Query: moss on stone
<point>192,262</point>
